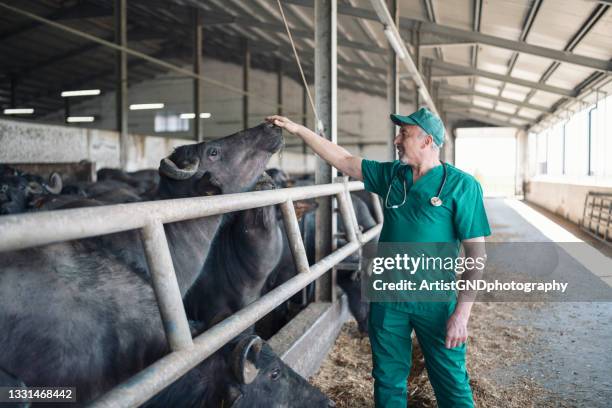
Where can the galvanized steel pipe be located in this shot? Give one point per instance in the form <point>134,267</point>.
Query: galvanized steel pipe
<point>168,369</point>
<point>347,219</point>
<point>296,244</point>
<point>166,287</point>
<point>32,229</point>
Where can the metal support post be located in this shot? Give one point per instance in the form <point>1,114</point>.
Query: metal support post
<point>246,67</point>
<point>305,123</point>
<point>121,87</point>
<point>347,218</point>
<point>378,211</point>
<point>197,68</point>
<point>325,103</point>
<point>393,84</point>
<point>166,286</point>
<point>279,86</point>
<point>292,229</point>
<point>417,60</point>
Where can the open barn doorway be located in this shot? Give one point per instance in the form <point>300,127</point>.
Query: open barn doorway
<point>489,154</point>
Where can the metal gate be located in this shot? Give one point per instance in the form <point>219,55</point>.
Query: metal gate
<point>597,216</point>
<point>33,229</point>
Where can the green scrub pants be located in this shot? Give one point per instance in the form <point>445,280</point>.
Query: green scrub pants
<point>390,326</point>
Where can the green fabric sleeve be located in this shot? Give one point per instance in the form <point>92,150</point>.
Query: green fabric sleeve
<point>470,217</point>
<point>376,175</point>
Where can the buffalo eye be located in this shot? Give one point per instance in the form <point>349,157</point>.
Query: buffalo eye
<point>213,153</point>
<point>275,374</point>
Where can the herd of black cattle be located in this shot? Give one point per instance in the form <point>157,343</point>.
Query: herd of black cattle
<point>83,313</point>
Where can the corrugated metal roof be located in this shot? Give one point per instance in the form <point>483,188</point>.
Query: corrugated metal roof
<point>495,59</point>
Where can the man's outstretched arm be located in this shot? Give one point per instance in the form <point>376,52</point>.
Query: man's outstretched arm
<point>335,155</point>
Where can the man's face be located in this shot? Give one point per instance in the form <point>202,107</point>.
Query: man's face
<point>409,143</point>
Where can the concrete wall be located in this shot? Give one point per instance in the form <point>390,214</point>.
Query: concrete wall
<point>22,142</point>
<point>563,197</point>
<point>361,117</point>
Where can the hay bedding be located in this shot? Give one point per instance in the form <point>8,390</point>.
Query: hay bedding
<point>495,343</point>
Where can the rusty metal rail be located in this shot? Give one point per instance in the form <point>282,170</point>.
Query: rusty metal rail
<point>34,229</point>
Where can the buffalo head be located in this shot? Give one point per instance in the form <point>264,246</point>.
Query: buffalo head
<point>228,165</point>
<point>262,379</point>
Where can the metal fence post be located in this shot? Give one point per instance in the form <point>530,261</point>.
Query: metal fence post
<point>347,213</point>
<point>294,237</point>
<point>378,211</point>
<point>166,286</point>
<point>325,59</point>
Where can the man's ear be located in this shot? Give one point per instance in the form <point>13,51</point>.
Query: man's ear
<point>430,140</point>
<point>303,207</point>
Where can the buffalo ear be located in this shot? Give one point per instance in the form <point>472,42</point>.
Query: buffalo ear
<point>34,187</point>
<point>244,359</point>
<point>303,207</point>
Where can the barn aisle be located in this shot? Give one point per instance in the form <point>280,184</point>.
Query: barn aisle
<point>520,354</point>
<point>571,343</point>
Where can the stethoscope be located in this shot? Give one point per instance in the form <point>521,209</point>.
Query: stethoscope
<point>434,201</point>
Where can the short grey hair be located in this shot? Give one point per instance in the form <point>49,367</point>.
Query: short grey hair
<point>423,133</point>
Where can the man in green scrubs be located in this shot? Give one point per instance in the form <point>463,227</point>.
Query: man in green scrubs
<point>407,187</point>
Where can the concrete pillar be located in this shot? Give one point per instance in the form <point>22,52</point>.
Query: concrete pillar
<point>197,68</point>
<point>121,88</point>
<point>325,103</point>
<point>393,84</point>
<point>246,68</point>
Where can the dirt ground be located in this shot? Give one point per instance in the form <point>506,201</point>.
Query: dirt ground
<point>495,345</point>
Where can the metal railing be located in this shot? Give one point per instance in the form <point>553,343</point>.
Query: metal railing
<point>597,216</point>
<point>33,229</point>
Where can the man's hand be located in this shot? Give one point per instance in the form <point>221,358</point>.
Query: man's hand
<point>456,330</point>
<point>335,155</point>
<point>456,326</point>
<point>284,123</point>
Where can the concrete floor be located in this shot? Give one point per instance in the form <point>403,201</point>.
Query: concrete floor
<point>571,355</point>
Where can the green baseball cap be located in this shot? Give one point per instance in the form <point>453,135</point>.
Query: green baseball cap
<point>426,120</point>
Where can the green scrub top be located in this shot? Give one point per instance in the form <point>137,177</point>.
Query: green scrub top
<point>461,216</point>
<point>408,228</point>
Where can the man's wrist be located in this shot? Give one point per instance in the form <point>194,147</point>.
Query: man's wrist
<point>463,310</point>
<point>300,130</point>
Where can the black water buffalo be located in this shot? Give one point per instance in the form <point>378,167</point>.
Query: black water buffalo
<point>244,374</point>
<point>18,189</point>
<point>9,380</point>
<point>280,178</point>
<point>144,182</point>
<point>83,313</point>
<point>348,280</point>
<point>285,270</point>
<point>63,201</point>
<point>246,249</point>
